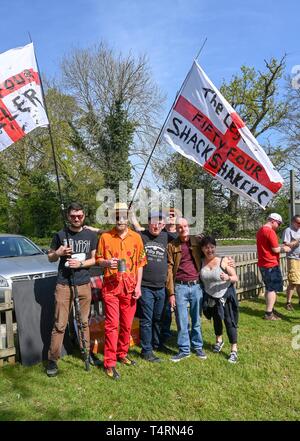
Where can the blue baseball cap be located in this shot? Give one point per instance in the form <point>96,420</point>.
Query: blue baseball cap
<point>156,215</point>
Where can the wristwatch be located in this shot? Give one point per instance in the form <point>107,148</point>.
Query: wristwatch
<point>81,265</point>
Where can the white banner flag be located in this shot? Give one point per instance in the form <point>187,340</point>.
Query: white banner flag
<point>205,128</point>
<point>21,102</point>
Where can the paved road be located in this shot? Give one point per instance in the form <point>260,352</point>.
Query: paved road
<point>235,249</point>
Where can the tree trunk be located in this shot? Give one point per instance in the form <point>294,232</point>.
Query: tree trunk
<point>232,210</point>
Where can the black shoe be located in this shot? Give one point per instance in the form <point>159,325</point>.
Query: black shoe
<point>94,361</point>
<point>201,354</point>
<point>151,357</point>
<point>180,356</point>
<point>112,373</point>
<point>127,361</point>
<point>52,369</point>
<point>218,346</point>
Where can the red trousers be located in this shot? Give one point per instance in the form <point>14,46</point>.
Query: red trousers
<point>119,313</point>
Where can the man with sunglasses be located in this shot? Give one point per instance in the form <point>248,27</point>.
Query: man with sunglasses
<point>268,251</point>
<point>80,256</point>
<point>291,237</point>
<point>121,253</point>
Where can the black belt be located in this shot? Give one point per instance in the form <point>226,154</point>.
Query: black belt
<point>190,282</point>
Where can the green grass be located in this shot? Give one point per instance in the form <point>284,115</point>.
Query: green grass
<point>263,385</point>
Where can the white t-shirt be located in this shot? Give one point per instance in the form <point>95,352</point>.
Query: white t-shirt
<point>288,236</point>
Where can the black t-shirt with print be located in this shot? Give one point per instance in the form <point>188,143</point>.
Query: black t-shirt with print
<point>155,272</point>
<point>83,243</point>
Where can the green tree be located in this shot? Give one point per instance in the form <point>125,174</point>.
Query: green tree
<point>119,106</point>
<point>29,172</point>
<point>255,97</point>
<point>37,206</point>
<point>181,173</point>
<point>4,200</point>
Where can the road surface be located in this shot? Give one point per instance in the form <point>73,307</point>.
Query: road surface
<point>235,249</point>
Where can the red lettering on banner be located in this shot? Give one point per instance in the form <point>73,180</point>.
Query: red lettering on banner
<point>9,125</point>
<point>237,120</point>
<point>10,85</point>
<point>226,144</point>
<point>17,81</point>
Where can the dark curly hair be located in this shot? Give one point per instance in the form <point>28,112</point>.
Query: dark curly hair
<point>207,240</point>
<point>74,206</point>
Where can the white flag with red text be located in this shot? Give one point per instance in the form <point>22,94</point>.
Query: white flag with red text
<point>205,128</point>
<point>21,101</point>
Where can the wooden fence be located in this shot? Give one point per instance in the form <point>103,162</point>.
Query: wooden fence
<point>7,330</point>
<point>250,282</point>
<point>249,285</point>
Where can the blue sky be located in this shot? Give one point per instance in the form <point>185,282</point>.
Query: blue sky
<point>170,32</point>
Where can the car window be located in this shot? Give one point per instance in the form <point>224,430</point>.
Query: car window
<point>17,246</point>
<point>6,248</point>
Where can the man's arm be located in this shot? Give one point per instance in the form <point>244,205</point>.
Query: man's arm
<point>281,249</point>
<point>287,239</point>
<point>93,229</point>
<point>231,276</point>
<point>274,244</point>
<point>75,263</point>
<point>137,291</point>
<point>134,222</point>
<point>293,243</point>
<point>170,278</point>
<point>100,260</point>
<point>54,255</point>
<point>107,263</point>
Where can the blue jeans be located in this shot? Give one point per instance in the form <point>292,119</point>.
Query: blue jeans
<point>191,295</point>
<point>152,305</point>
<point>166,320</point>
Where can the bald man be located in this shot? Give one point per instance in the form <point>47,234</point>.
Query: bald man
<point>183,285</point>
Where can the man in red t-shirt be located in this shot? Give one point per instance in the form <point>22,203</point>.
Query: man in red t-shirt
<point>268,251</point>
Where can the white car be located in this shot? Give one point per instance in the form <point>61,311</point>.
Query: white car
<point>21,259</point>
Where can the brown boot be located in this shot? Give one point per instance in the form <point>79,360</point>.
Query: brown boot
<point>289,307</point>
<point>271,317</point>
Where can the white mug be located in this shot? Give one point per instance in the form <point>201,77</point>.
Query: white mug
<point>78,256</point>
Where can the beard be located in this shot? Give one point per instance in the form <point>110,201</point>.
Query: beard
<point>121,227</point>
<point>78,224</point>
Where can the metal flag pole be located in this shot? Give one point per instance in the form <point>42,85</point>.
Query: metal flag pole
<point>73,287</point>
<point>197,56</point>
<point>162,128</point>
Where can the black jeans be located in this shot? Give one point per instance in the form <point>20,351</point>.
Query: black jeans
<point>166,320</point>
<point>152,305</point>
<point>231,329</point>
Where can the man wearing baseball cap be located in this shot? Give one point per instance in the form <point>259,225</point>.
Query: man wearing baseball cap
<point>268,251</point>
